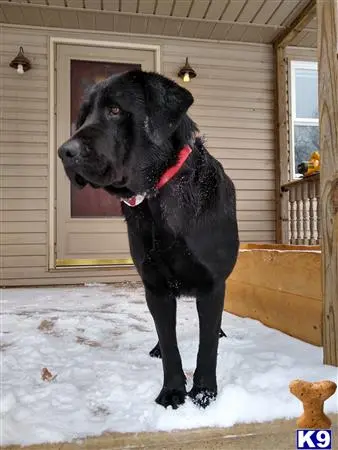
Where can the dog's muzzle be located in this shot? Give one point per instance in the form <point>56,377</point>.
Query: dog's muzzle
<point>70,153</point>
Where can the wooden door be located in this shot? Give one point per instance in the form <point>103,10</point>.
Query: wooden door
<point>90,229</point>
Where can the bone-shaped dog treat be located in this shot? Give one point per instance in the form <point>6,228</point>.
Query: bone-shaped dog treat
<point>313,396</point>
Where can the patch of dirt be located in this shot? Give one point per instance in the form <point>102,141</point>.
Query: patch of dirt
<point>5,345</point>
<point>100,411</point>
<point>46,326</point>
<point>85,341</point>
<point>141,328</point>
<point>115,332</point>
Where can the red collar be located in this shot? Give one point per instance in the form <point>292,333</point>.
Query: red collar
<point>166,176</point>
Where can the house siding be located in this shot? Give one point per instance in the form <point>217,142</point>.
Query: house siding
<point>234,108</point>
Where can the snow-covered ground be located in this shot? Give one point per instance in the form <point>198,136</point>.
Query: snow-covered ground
<point>96,339</point>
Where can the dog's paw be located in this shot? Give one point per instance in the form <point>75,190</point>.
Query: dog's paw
<point>156,352</point>
<point>222,334</point>
<point>202,396</point>
<point>171,397</point>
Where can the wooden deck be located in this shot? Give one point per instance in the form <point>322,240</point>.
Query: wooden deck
<point>279,434</point>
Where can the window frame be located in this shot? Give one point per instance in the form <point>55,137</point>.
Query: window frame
<point>293,120</point>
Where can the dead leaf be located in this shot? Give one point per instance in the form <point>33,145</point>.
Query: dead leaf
<point>46,375</point>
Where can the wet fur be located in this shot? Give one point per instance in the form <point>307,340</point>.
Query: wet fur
<point>183,238</point>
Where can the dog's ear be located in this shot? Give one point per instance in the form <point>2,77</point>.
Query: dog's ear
<point>166,103</point>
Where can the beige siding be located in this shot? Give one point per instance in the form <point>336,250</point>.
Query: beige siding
<point>233,107</point>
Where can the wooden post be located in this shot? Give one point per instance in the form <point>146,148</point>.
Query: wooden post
<point>327,14</point>
<point>282,213</point>
<point>301,21</point>
<point>282,134</point>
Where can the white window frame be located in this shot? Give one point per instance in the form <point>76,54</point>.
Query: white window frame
<point>294,65</point>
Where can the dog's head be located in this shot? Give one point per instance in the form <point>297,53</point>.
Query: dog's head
<point>124,126</point>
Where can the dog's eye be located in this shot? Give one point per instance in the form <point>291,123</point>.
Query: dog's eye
<point>114,111</point>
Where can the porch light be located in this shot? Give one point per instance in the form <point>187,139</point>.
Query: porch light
<point>20,62</point>
<point>186,72</point>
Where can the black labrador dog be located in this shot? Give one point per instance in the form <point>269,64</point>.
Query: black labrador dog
<point>135,140</point>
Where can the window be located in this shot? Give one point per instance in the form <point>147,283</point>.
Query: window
<point>304,129</point>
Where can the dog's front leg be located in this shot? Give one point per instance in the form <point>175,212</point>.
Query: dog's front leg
<point>163,309</point>
<point>210,308</point>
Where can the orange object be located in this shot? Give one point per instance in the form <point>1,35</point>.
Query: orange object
<point>313,396</point>
<point>310,167</point>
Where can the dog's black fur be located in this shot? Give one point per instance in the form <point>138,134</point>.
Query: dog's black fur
<point>183,237</point>
<point>156,351</point>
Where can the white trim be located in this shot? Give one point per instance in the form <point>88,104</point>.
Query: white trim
<point>293,120</point>
<point>52,130</point>
<point>310,65</point>
<point>98,43</point>
<point>297,48</point>
<point>51,159</point>
<point>306,122</point>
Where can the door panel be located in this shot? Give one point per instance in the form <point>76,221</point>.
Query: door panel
<point>90,229</point>
<point>90,202</point>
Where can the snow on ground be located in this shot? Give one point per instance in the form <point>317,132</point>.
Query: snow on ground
<point>96,340</point>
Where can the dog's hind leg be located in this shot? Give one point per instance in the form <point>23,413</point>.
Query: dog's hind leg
<point>221,333</point>
<point>210,307</point>
<point>156,351</point>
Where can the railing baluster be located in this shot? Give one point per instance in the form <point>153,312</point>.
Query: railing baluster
<point>303,210</point>
<point>288,193</point>
<point>312,217</point>
<point>317,193</point>
<point>299,212</point>
<point>306,225</point>
<point>293,216</point>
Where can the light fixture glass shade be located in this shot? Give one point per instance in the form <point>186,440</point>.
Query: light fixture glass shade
<point>20,63</point>
<point>20,69</point>
<point>186,72</point>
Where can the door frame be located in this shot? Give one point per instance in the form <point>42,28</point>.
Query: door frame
<point>53,41</point>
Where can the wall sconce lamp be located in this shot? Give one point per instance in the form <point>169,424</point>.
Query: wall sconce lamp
<point>186,72</point>
<point>20,62</point>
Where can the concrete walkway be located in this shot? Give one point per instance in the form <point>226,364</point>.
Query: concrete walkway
<point>277,435</point>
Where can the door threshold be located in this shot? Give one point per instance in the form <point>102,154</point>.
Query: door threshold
<point>76,262</point>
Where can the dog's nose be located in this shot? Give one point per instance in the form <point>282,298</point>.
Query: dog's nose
<point>70,150</point>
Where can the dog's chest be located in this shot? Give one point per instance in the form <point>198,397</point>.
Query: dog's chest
<point>168,244</point>
<point>159,245</point>
<point>174,260</point>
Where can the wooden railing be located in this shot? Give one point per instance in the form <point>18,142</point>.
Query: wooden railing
<point>303,210</point>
